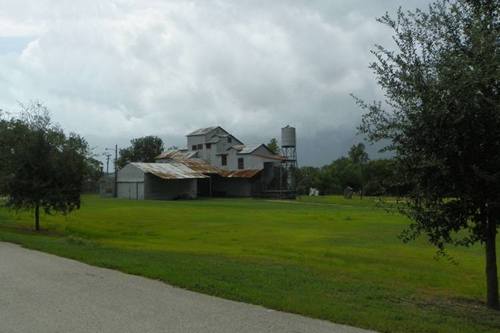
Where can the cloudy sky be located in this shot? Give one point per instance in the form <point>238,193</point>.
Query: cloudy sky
<point>119,69</point>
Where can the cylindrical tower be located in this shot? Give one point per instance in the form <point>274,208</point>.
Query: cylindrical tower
<point>288,136</point>
<point>289,153</point>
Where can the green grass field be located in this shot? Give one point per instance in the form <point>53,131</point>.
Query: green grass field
<point>330,258</point>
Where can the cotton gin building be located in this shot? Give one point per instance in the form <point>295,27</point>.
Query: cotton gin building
<point>215,163</point>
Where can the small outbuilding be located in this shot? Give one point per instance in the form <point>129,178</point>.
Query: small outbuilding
<point>158,181</point>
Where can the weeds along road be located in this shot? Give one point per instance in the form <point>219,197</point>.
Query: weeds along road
<point>45,293</point>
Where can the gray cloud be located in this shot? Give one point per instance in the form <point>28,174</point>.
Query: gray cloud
<point>116,70</point>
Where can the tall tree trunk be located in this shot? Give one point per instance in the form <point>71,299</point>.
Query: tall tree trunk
<point>37,217</point>
<point>491,265</point>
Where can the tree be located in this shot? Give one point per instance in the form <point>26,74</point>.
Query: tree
<point>379,177</point>
<point>359,157</point>
<point>442,118</point>
<point>41,167</point>
<point>345,174</point>
<point>305,178</point>
<point>357,154</point>
<point>376,177</point>
<point>143,149</point>
<point>274,146</point>
<point>93,174</point>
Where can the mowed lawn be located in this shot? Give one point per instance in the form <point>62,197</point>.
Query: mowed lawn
<point>330,258</point>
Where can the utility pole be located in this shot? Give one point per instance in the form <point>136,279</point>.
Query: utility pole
<point>116,171</point>
<point>116,168</point>
<point>108,155</point>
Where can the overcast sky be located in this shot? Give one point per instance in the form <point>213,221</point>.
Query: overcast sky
<point>115,70</point>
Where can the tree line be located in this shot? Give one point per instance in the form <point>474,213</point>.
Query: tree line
<point>356,171</point>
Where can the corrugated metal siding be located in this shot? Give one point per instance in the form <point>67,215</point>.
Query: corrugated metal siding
<point>131,190</point>
<point>130,173</point>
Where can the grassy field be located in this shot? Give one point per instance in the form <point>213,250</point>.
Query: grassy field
<point>326,257</point>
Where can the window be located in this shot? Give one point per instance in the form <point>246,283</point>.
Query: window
<point>223,159</point>
<point>200,146</point>
<point>241,163</point>
<point>229,139</point>
<point>208,145</point>
<point>194,147</point>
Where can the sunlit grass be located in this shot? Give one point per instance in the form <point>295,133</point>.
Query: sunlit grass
<point>325,257</point>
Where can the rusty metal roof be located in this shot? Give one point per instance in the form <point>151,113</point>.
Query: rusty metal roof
<point>246,173</point>
<point>179,164</point>
<point>170,170</point>
<point>186,158</point>
<point>176,154</point>
<point>200,165</point>
<point>192,169</point>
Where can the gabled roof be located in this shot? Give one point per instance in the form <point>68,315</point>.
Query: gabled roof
<point>204,131</point>
<point>187,158</point>
<point>214,138</point>
<point>170,170</point>
<point>249,149</point>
